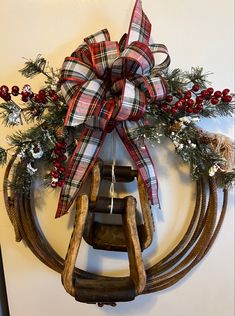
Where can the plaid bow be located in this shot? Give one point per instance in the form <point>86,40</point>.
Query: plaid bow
<point>107,85</point>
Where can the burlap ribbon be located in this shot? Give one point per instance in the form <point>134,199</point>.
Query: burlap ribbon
<point>107,85</point>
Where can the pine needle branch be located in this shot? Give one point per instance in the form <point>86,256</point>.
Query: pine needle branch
<point>196,76</point>
<point>3,156</point>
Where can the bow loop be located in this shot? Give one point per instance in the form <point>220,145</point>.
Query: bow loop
<point>103,54</point>
<point>155,88</point>
<point>83,54</point>
<point>97,37</point>
<point>85,102</point>
<point>136,59</point>
<point>160,49</point>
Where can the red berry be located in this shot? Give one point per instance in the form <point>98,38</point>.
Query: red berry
<point>57,164</point>
<point>27,88</point>
<point>208,96</point>
<point>55,174</point>
<point>217,94</point>
<point>199,107</point>
<point>199,99</point>
<point>165,108</point>
<point>204,93</point>
<point>25,94</point>
<point>189,110</point>
<point>55,97</point>
<point>61,169</point>
<point>63,143</point>
<point>15,90</point>
<point>53,184</point>
<point>169,98</point>
<point>188,94</point>
<point>3,94</point>
<point>24,98</point>
<point>214,101</point>
<point>195,110</point>
<point>210,90</point>
<point>181,104</point>
<point>37,98</point>
<point>196,87</point>
<point>174,110</point>
<point>7,97</point>
<point>51,93</point>
<point>42,92</point>
<point>60,183</point>
<point>227,98</point>
<point>178,104</point>
<point>63,157</point>
<point>44,100</point>
<point>190,102</point>
<point>4,89</point>
<point>58,152</point>
<point>58,146</point>
<point>226,91</point>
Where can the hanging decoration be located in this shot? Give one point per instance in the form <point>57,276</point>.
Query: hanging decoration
<point>104,86</point>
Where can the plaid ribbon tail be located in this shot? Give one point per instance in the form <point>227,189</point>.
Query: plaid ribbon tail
<point>80,164</point>
<point>140,26</point>
<point>141,157</point>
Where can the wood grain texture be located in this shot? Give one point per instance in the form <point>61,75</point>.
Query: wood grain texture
<point>75,242</point>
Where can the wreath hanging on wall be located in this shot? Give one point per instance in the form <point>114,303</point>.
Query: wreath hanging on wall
<point>103,86</point>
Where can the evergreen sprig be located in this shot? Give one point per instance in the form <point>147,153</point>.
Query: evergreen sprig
<point>201,156</point>
<point>21,181</point>
<point>221,109</point>
<point>175,79</point>
<point>197,76</point>
<point>34,67</point>
<point>179,80</point>
<point>10,113</point>
<point>226,179</point>
<point>3,156</point>
<point>41,66</point>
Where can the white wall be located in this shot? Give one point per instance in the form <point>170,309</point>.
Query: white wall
<point>196,33</point>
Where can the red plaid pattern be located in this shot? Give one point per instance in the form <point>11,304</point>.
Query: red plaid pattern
<point>83,54</point>
<point>132,103</point>
<point>101,116</point>
<point>140,27</point>
<point>153,87</point>
<point>141,157</point>
<point>103,55</point>
<point>79,167</point>
<point>107,85</point>
<point>74,73</point>
<point>137,59</point>
<point>84,102</point>
<point>100,36</point>
<point>161,48</point>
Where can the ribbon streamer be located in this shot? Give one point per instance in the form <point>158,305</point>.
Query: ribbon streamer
<point>107,85</point>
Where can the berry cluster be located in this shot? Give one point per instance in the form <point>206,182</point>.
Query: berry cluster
<point>193,101</point>
<point>42,96</point>
<point>26,94</point>
<point>58,161</point>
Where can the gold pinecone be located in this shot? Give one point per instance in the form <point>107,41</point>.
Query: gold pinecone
<point>60,132</point>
